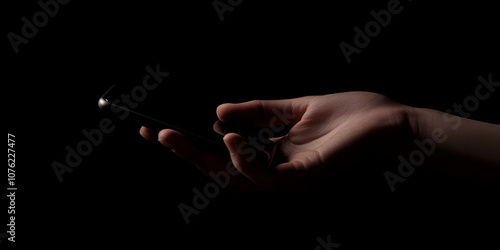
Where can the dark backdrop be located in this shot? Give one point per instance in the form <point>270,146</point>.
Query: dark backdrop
<point>126,192</point>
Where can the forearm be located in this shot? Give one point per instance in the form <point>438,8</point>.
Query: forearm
<point>463,147</point>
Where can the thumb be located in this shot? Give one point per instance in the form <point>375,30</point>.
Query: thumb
<point>264,113</point>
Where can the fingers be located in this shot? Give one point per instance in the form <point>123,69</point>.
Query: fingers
<point>219,128</point>
<point>210,164</point>
<point>182,147</point>
<point>270,113</point>
<point>243,157</point>
<point>245,160</point>
<point>287,175</point>
<point>148,134</point>
<point>177,143</point>
<point>173,140</point>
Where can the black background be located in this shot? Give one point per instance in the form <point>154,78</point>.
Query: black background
<point>127,191</point>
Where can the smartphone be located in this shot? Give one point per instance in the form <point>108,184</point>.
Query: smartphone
<point>194,119</point>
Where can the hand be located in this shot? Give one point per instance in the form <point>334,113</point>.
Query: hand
<point>329,133</point>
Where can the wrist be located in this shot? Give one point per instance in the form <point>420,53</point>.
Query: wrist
<point>425,123</point>
<point>395,135</point>
<point>414,120</point>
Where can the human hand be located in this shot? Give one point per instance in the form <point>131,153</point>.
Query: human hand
<point>329,133</point>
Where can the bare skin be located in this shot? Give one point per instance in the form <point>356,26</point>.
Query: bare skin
<point>331,132</point>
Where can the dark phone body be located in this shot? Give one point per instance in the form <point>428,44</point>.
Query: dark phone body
<point>210,140</point>
<point>110,103</point>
